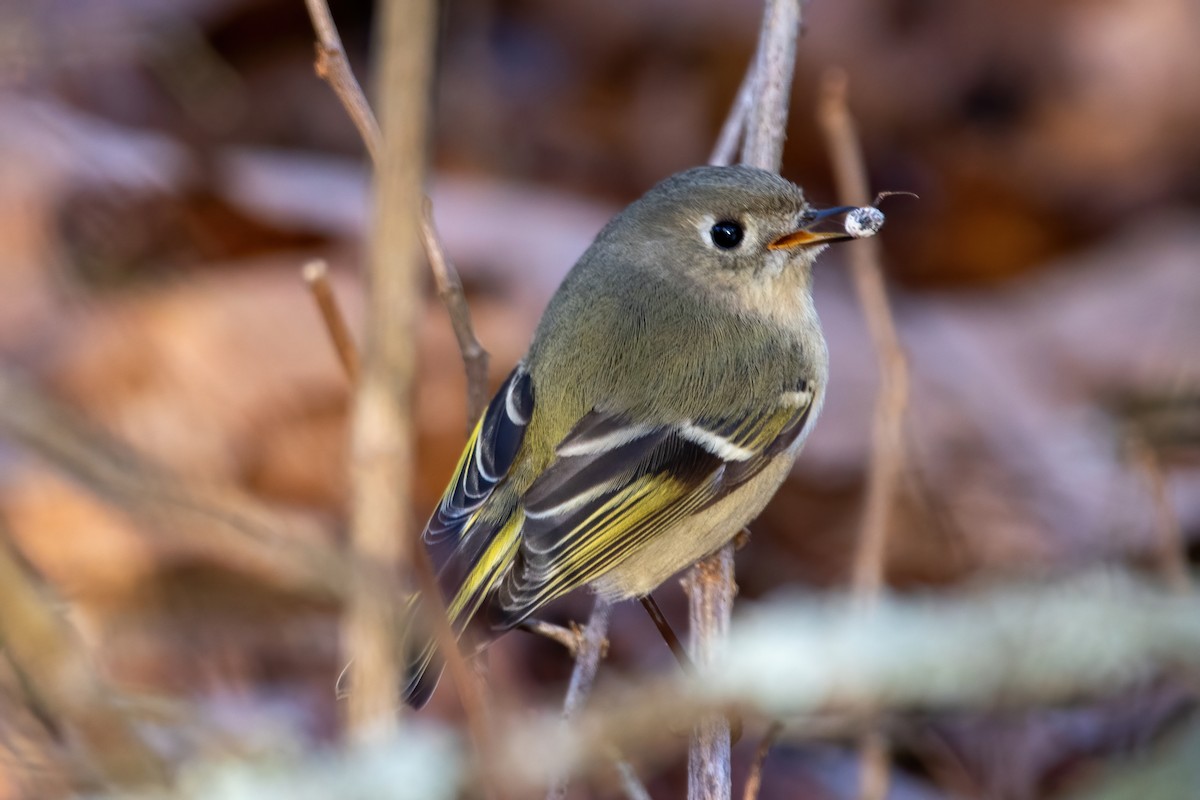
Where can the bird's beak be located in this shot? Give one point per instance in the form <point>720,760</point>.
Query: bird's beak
<point>807,237</point>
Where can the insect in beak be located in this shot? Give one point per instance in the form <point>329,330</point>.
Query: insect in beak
<point>807,237</point>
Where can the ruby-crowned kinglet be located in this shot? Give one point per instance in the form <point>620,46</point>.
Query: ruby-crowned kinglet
<point>670,384</point>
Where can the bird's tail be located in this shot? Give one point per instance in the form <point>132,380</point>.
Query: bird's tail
<point>478,584</point>
<point>424,664</point>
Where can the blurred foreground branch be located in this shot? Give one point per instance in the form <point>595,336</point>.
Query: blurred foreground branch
<point>382,437</point>
<point>1009,647</point>
<point>465,681</point>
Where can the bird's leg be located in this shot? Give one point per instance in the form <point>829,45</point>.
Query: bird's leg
<point>685,661</point>
<point>741,539</point>
<point>668,634</point>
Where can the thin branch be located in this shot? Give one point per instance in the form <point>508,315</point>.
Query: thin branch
<point>711,589</point>
<point>450,289</point>
<point>767,124</point>
<point>587,663</point>
<point>333,67</point>
<point>887,452</point>
<point>570,638</point>
<point>382,437</point>
<point>754,779</point>
<point>316,275</point>
<point>875,762</point>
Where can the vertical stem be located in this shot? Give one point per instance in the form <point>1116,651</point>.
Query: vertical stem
<point>381,436</point>
<point>710,603</point>
<point>767,126</point>
<point>587,662</point>
<point>711,586</point>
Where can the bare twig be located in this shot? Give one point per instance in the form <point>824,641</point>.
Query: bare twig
<point>382,439</point>
<point>333,67</point>
<point>569,638</point>
<point>587,662</point>
<point>767,124</point>
<point>711,589</point>
<point>754,779</point>
<point>475,358</point>
<point>887,454</point>
<point>316,275</point>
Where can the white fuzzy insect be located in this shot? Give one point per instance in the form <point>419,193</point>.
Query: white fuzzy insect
<point>863,222</point>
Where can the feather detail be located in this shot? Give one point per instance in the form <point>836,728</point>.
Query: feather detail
<point>486,459</point>
<point>615,484</point>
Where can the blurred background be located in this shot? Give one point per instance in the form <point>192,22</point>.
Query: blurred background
<point>166,169</point>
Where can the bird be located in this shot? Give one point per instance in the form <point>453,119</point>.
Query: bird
<point>669,386</point>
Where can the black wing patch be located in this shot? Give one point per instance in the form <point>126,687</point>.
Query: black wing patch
<point>487,457</point>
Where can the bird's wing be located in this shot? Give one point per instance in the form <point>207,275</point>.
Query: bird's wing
<point>615,483</point>
<point>486,459</point>
<point>482,547</point>
<point>479,547</point>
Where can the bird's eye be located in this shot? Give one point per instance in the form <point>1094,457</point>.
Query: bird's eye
<point>727,234</point>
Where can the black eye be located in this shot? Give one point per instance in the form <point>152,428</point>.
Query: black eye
<point>727,234</point>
